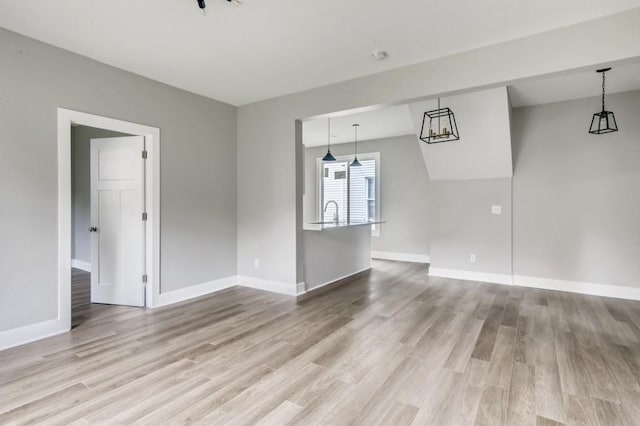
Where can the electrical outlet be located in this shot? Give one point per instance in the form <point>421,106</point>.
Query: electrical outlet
<point>256,263</point>
<point>496,209</point>
<point>472,258</point>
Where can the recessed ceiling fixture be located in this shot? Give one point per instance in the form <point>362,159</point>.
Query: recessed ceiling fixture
<point>441,127</point>
<point>379,55</point>
<point>355,162</point>
<point>603,121</point>
<point>202,5</point>
<point>329,156</point>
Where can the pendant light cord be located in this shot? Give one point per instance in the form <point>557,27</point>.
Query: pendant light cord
<point>356,129</point>
<point>603,91</point>
<point>329,135</point>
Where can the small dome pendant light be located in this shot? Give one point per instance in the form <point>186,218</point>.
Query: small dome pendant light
<point>329,156</point>
<point>603,121</point>
<point>355,162</point>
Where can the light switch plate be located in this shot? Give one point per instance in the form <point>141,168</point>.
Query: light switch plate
<point>496,209</point>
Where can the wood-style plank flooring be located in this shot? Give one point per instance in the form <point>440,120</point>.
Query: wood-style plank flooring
<point>390,347</point>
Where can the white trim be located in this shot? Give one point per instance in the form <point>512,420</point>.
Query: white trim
<point>31,333</point>
<point>308,289</point>
<point>194,291</point>
<point>66,118</point>
<point>460,274</point>
<point>579,287</point>
<point>64,227</point>
<point>42,330</point>
<point>81,264</point>
<point>402,257</point>
<point>268,285</point>
<point>593,289</point>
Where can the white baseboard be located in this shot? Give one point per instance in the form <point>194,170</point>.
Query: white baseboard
<point>268,285</point>
<point>30,333</point>
<point>606,290</point>
<point>460,274</point>
<point>592,289</point>
<point>402,257</point>
<point>194,291</point>
<point>301,288</point>
<point>317,286</point>
<point>81,264</point>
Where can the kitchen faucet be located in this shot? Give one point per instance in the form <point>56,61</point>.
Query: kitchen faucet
<point>336,218</point>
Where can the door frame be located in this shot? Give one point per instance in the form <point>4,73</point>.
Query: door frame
<point>67,118</point>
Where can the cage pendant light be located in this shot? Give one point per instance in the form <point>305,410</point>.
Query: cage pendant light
<point>603,121</point>
<point>439,125</point>
<point>328,156</point>
<point>355,162</point>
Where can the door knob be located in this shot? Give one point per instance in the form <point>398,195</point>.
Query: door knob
<point>92,229</point>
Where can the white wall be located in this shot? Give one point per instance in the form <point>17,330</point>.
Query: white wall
<point>269,198</point>
<point>404,192</point>
<point>198,171</point>
<point>576,196</point>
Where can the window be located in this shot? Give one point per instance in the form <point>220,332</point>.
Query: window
<point>352,192</point>
<point>371,198</point>
<point>334,182</point>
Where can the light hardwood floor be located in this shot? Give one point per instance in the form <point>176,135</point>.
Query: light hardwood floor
<point>391,347</point>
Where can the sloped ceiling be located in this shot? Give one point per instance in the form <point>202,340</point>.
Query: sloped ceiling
<point>484,148</point>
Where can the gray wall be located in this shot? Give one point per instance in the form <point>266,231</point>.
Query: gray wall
<point>404,192</point>
<point>576,196</point>
<point>198,171</point>
<point>332,254</point>
<point>462,224</point>
<point>269,198</point>
<point>81,188</point>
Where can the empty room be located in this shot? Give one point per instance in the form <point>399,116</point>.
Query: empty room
<point>261,212</point>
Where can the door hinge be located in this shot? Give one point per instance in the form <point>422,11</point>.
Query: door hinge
<point>144,278</point>
<point>144,216</point>
<point>144,154</point>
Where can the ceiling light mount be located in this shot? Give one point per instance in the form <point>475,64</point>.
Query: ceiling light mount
<point>379,55</point>
<point>203,6</point>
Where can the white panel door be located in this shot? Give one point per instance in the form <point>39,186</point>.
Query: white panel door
<point>117,229</point>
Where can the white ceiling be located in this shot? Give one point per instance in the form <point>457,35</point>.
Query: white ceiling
<point>268,48</point>
<point>376,124</point>
<point>621,78</point>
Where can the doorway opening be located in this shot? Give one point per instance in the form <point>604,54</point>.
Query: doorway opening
<point>108,214</point>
